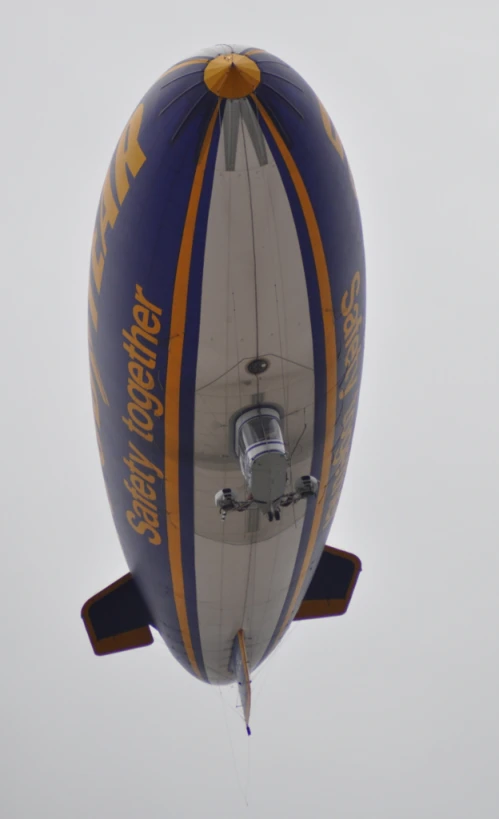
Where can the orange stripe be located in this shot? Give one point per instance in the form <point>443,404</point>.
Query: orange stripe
<point>329,344</point>
<point>172,396</point>
<point>197,61</point>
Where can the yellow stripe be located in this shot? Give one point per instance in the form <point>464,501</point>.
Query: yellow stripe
<point>254,51</point>
<point>172,396</point>
<point>329,344</point>
<point>197,61</point>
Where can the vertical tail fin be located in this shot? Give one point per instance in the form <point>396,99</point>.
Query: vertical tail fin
<point>239,666</point>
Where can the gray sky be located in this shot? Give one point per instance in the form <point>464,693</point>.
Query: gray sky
<point>391,711</point>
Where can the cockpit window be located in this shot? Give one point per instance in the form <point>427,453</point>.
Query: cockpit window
<point>259,429</point>
<point>271,428</point>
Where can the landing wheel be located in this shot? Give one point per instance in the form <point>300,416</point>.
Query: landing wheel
<point>270,516</point>
<point>277,514</point>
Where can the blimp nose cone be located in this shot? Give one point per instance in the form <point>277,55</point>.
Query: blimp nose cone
<point>232,76</point>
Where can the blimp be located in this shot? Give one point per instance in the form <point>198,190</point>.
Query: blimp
<point>226,334</point>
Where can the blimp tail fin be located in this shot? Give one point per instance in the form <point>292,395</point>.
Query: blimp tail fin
<point>116,619</point>
<point>332,585</point>
<point>240,668</point>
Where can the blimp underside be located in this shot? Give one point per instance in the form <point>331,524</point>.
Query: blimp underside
<point>226,328</point>
<point>252,310</point>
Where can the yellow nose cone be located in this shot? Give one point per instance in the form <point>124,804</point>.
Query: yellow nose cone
<point>232,76</point>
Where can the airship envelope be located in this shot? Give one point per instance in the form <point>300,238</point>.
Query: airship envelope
<point>226,329</point>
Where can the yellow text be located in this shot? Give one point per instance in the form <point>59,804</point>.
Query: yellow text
<point>143,406</point>
<point>352,336</point>
<point>128,160</point>
<point>143,517</point>
<point>335,141</point>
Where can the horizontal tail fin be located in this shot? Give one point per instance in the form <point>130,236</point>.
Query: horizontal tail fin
<point>116,619</point>
<point>332,585</point>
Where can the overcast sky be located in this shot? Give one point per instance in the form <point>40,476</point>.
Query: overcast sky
<point>391,711</point>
